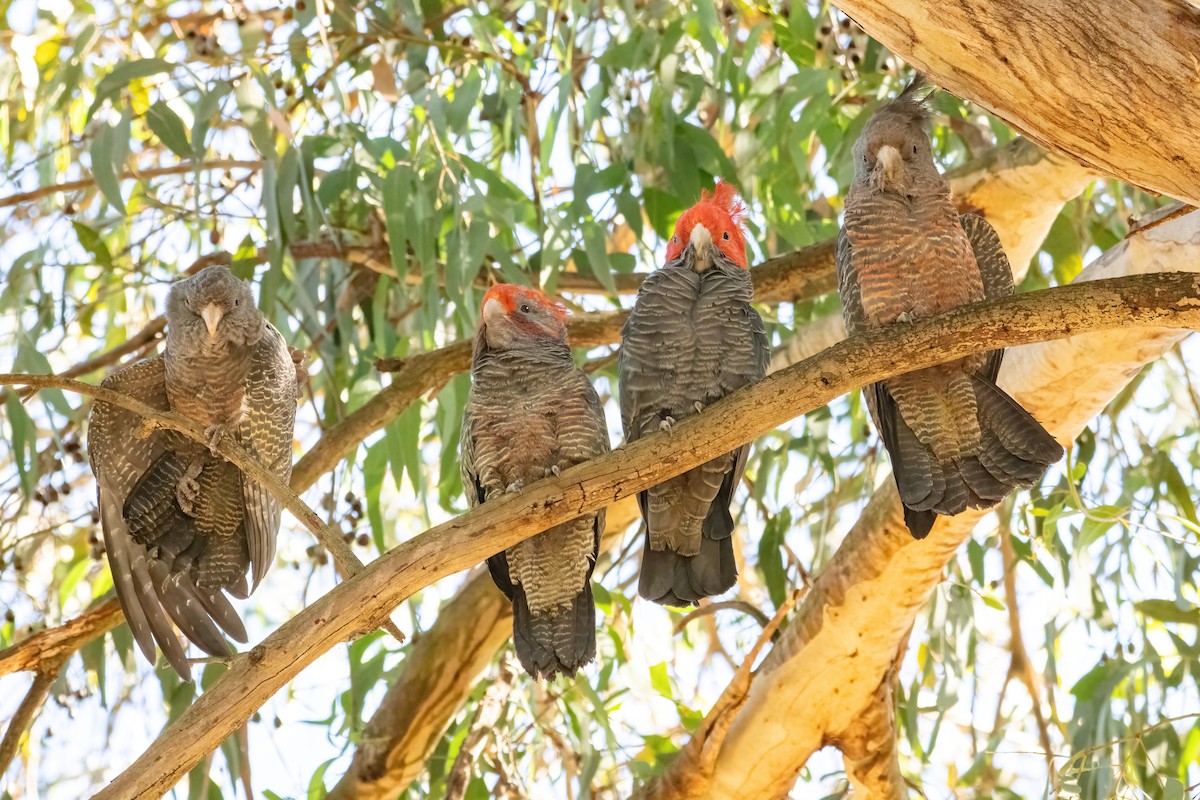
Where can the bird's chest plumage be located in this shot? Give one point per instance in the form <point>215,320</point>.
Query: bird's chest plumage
<point>517,424</point>
<point>209,387</point>
<point>692,328</point>
<point>911,258</point>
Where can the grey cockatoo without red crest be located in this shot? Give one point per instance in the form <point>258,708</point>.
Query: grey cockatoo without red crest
<point>532,413</point>
<point>691,339</point>
<point>181,525</point>
<point>955,439</point>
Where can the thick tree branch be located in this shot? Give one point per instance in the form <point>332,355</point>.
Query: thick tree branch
<point>329,536</point>
<point>360,602</point>
<point>865,600</point>
<point>1072,75</point>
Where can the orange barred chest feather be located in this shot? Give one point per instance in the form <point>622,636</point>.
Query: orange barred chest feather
<point>911,260</point>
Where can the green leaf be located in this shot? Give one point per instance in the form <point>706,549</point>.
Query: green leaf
<point>1166,611</point>
<point>119,78</point>
<point>660,681</point>
<point>316,786</point>
<point>109,151</point>
<point>92,242</point>
<point>770,556</point>
<point>169,128</point>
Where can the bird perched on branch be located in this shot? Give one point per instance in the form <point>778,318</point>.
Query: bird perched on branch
<point>532,413</point>
<point>691,339</point>
<point>904,253</point>
<point>181,524</point>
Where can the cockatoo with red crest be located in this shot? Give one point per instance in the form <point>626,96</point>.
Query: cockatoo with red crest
<point>691,339</point>
<point>532,413</point>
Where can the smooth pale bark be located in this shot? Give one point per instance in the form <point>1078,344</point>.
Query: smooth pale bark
<point>1018,187</point>
<point>823,674</point>
<point>1113,85</point>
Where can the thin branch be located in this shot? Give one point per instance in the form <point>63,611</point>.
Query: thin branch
<point>722,605</point>
<point>1020,667</point>
<point>347,562</point>
<point>34,698</point>
<point>487,714</point>
<point>1158,300</point>
<point>705,744</point>
<point>138,174</point>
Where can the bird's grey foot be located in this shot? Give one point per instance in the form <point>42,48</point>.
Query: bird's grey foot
<point>698,406</point>
<point>188,488</point>
<point>905,317</point>
<point>515,486</point>
<point>666,424</point>
<point>213,435</point>
<point>554,470</point>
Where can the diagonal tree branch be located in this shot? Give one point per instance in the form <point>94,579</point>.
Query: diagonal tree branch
<point>864,602</point>
<point>1169,301</point>
<point>42,680</point>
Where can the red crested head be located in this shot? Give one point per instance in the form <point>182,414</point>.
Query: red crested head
<point>511,313</point>
<point>715,220</point>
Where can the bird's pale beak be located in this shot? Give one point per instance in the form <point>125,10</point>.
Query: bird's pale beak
<point>889,166</point>
<point>211,314</point>
<point>702,247</point>
<point>493,310</point>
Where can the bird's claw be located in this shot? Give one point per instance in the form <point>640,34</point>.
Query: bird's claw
<point>905,317</point>
<point>186,493</point>
<point>666,424</point>
<point>698,406</point>
<point>554,470</point>
<point>213,435</point>
<point>515,486</point>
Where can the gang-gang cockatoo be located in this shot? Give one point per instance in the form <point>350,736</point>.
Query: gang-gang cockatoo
<point>691,339</point>
<point>955,439</point>
<point>181,524</point>
<point>532,413</point>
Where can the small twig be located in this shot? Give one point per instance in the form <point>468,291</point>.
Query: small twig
<point>1020,666</point>
<point>347,562</point>
<point>59,642</point>
<point>711,608</point>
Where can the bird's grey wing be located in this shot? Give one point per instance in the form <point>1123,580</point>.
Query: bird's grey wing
<point>853,313</point>
<point>995,271</point>
<point>266,430</point>
<point>150,596</point>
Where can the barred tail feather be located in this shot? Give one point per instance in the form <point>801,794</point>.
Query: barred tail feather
<point>558,641</point>
<point>671,579</point>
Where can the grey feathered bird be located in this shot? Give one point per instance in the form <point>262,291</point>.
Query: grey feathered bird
<point>691,339</point>
<point>532,413</point>
<point>182,525</point>
<point>955,439</point>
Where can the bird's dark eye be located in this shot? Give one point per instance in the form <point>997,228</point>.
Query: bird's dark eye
<point>525,309</point>
<point>675,239</point>
<point>725,236</point>
<point>237,302</point>
<point>914,149</point>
